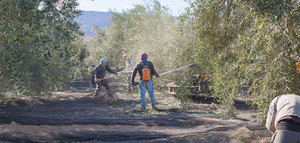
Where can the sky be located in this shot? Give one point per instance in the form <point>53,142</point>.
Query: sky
<point>175,6</point>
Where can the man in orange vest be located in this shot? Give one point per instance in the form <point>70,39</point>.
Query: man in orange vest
<point>146,71</point>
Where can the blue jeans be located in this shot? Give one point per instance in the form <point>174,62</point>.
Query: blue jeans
<point>149,86</point>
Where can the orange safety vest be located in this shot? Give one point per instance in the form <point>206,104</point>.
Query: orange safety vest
<point>146,72</point>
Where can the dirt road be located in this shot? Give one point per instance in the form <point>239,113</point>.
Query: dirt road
<point>73,116</point>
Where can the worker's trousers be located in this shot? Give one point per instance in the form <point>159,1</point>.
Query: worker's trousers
<point>286,136</point>
<point>98,89</point>
<point>149,86</point>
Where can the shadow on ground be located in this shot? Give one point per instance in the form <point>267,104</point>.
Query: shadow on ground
<point>74,116</point>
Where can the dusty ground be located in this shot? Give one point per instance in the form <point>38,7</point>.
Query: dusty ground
<point>73,116</point>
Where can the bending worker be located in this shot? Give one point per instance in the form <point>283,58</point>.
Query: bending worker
<point>146,71</point>
<point>284,119</point>
<point>100,72</point>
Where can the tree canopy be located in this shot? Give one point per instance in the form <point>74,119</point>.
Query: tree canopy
<point>36,48</point>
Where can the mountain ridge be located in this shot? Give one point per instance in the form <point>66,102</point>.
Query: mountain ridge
<point>89,19</point>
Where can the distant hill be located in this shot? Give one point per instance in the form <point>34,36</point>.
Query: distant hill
<point>88,19</point>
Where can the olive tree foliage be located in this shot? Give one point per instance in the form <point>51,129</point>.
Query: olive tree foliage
<point>240,42</point>
<point>37,48</point>
<point>108,44</point>
<point>145,28</point>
